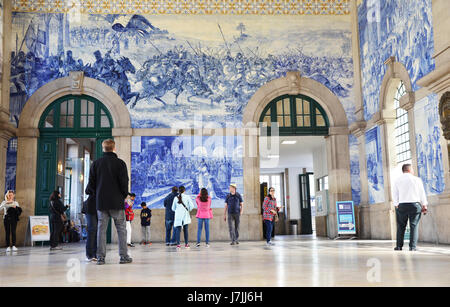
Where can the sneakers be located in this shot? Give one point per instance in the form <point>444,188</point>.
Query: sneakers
<point>149,243</point>
<point>187,246</point>
<point>14,249</point>
<point>101,261</point>
<point>8,249</point>
<point>398,248</point>
<point>124,260</point>
<point>56,248</point>
<point>197,245</point>
<point>178,248</point>
<point>233,243</point>
<point>207,245</point>
<point>130,245</point>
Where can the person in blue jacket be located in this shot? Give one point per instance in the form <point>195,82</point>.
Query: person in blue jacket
<point>182,205</point>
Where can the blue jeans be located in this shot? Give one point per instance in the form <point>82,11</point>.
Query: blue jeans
<point>200,228</point>
<point>169,227</point>
<point>91,242</point>
<point>177,233</point>
<point>269,227</point>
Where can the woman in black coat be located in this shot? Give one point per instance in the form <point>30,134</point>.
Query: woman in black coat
<point>57,219</point>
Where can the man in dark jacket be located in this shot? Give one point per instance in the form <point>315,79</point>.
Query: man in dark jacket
<point>170,215</point>
<point>108,177</point>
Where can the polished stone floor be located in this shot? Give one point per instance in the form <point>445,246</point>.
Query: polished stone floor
<point>293,261</point>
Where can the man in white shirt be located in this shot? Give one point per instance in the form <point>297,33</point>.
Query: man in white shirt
<point>410,201</point>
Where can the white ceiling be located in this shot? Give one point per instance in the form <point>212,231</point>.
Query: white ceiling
<point>296,155</point>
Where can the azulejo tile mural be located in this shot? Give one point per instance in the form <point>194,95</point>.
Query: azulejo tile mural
<point>354,169</point>
<point>170,69</point>
<point>393,28</point>
<point>189,7</point>
<point>428,147</point>
<point>374,163</point>
<point>159,163</point>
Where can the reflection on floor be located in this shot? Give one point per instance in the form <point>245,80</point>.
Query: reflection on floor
<point>293,261</point>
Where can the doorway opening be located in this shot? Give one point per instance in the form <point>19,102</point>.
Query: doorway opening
<point>72,129</point>
<point>298,168</point>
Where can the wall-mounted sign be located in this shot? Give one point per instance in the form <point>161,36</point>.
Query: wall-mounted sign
<point>345,217</point>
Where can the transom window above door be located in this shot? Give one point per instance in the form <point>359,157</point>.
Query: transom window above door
<point>83,114</point>
<point>295,115</point>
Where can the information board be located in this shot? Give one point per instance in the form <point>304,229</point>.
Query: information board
<point>345,217</point>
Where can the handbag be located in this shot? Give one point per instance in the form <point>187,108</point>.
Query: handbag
<point>63,216</point>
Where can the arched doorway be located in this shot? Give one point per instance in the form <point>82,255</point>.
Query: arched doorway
<point>29,130</point>
<point>333,128</point>
<point>68,118</point>
<point>294,116</point>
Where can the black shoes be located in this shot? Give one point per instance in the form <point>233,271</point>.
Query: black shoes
<point>412,249</point>
<point>398,248</point>
<point>124,260</point>
<point>130,245</point>
<point>100,261</point>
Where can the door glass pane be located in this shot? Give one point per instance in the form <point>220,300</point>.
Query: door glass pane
<point>287,121</point>
<point>280,107</point>
<point>49,120</point>
<point>84,107</point>
<point>70,107</point>
<point>63,108</point>
<point>299,106</point>
<point>83,121</point>
<point>299,121</point>
<point>307,121</point>
<point>320,121</point>
<point>266,120</point>
<point>62,121</point>
<point>305,107</point>
<point>280,121</point>
<point>106,124</point>
<point>287,107</point>
<point>69,122</point>
<point>91,108</point>
<point>91,123</point>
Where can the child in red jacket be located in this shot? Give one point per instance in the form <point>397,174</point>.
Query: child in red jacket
<point>129,214</point>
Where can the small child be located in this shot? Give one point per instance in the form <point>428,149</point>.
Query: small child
<point>146,215</point>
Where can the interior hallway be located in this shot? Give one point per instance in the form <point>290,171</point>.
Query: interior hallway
<point>294,261</point>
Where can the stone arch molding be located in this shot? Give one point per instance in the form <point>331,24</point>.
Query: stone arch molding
<point>395,73</point>
<point>294,84</point>
<point>74,84</point>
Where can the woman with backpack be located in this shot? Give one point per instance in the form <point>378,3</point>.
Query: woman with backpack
<point>11,215</point>
<point>182,206</point>
<point>204,214</point>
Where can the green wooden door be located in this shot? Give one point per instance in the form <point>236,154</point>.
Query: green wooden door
<point>46,173</point>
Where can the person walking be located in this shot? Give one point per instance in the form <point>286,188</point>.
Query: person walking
<point>270,210</point>
<point>234,206</point>
<point>182,206</point>
<point>129,215</point>
<point>11,213</point>
<point>108,177</point>
<point>57,219</point>
<point>146,215</point>
<point>90,211</point>
<point>204,214</point>
<point>410,201</point>
<point>170,216</point>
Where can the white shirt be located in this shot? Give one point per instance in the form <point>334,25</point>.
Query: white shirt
<point>409,189</point>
